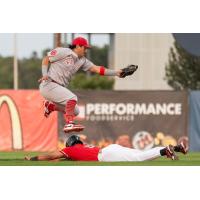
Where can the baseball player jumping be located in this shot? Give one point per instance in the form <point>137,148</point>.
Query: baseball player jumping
<point>78,151</point>
<point>58,67</point>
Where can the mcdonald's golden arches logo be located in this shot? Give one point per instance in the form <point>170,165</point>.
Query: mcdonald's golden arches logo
<point>15,121</point>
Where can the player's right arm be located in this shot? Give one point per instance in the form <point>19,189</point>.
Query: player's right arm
<point>45,63</point>
<point>52,56</point>
<point>51,156</point>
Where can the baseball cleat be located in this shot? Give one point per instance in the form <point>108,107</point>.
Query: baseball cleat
<point>170,152</point>
<point>182,148</point>
<point>47,108</point>
<point>73,127</point>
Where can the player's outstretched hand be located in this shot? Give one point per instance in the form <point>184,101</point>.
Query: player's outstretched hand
<point>27,158</point>
<point>127,71</point>
<point>44,78</point>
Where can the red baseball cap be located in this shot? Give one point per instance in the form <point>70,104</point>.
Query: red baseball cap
<point>81,42</point>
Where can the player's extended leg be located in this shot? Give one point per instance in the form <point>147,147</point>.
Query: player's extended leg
<point>156,152</point>
<point>70,126</point>
<point>115,152</point>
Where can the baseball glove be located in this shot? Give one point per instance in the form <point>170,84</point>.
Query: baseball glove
<point>127,71</point>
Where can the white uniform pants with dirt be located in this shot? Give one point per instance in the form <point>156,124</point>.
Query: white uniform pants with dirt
<point>57,94</point>
<point>115,153</point>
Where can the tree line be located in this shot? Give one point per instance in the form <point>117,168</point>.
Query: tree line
<point>183,69</point>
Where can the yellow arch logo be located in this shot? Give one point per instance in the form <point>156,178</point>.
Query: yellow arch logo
<point>15,121</point>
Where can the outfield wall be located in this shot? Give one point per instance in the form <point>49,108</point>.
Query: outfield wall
<point>22,124</point>
<point>133,118</point>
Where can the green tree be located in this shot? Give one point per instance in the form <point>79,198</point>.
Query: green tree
<point>99,56</point>
<point>183,69</point>
<point>82,81</point>
<point>6,72</point>
<point>29,72</point>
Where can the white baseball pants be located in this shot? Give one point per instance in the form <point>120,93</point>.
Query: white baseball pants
<point>57,94</point>
<point>115,153</point>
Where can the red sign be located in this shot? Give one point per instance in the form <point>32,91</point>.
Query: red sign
<point>22,124</point>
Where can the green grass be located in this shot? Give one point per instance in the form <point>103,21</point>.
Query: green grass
<point>17,159</point>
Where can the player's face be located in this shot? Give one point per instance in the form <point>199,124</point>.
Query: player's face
<point>82,51</point>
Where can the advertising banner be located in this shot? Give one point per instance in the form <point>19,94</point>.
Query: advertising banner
<point>148,118</point>
<point>22,124</point>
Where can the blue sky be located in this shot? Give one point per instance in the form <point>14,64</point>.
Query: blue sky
<point>29,42</point>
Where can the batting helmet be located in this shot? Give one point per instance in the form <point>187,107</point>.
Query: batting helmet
<point>72,140</point>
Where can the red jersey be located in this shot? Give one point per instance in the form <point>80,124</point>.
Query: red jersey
<point>81,152</point>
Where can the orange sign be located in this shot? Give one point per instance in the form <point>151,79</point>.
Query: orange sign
<point>22,124</point>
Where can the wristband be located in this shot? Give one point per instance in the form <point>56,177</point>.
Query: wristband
<point>107,72</point>
<point>44,70</point>
<point>102,71</point>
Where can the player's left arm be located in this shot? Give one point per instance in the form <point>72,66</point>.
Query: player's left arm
<point>104,71</point>
<point>127,71</point>
<point>51,156</point>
